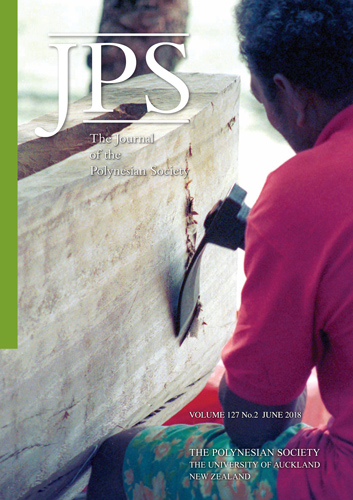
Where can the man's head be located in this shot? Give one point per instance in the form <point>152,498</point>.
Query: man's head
<point>300,53</point>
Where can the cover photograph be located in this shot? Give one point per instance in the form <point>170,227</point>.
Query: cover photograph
<point>184,252</point>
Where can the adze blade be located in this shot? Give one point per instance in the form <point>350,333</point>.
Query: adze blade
<point>225,226</point>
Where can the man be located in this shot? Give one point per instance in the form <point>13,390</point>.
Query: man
<point>297,302</point>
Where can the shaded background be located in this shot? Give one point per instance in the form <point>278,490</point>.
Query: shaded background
<point>211,48</point>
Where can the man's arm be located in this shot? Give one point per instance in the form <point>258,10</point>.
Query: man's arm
<point>265,423</point>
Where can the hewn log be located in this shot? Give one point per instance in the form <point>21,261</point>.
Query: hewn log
<point>101,262</point>
<point>36,153</point>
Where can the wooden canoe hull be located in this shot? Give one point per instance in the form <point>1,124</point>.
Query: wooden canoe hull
<point>101,261</point>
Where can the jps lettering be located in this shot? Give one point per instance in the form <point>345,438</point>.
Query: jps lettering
<point>130,66</point>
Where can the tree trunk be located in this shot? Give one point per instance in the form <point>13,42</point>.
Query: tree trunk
<point>141,16</point>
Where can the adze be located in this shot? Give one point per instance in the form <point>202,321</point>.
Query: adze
<point>224,226</point>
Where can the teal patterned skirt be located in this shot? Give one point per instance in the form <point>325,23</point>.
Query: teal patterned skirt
<point>199,462</point>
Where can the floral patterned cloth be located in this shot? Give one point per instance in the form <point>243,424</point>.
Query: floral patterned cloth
<point>199,462</point>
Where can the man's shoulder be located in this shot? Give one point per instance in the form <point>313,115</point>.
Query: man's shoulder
<point>307,198</point>
<point>329,161</point>
<point>319,174</point>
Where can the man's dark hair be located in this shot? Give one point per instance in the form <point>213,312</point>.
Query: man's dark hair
<point>309,41</point>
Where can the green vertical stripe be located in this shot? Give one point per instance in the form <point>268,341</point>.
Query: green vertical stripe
<point>8,198</point>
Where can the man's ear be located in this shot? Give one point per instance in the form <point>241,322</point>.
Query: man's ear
<point>291,97</point>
